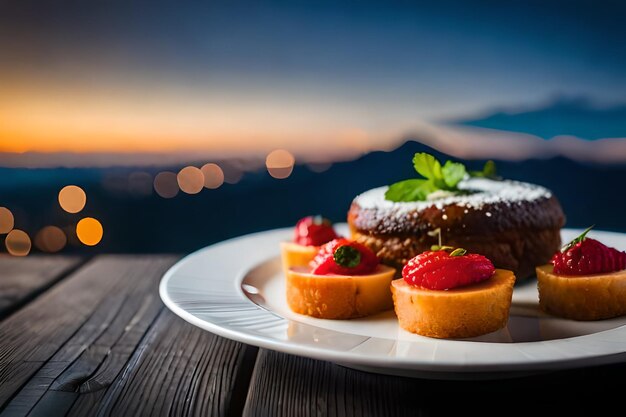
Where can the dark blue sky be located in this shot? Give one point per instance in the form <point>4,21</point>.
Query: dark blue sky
<point>371,67</point>
<point>490,49</point>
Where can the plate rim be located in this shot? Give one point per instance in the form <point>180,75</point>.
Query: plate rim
<point>388,363</point>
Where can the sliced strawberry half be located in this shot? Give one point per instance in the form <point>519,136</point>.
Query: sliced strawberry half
<point>344,257</point>
<point>443,270</point>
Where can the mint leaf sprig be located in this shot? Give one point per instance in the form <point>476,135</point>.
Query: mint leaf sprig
<point>436,177</point>
<point>488,171</point>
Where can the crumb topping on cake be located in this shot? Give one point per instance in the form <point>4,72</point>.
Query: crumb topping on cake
<point>482,205</point>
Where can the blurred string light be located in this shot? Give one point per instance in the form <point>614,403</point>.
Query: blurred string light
<point>190,180</point>
<point>166,184</point>
<point>213,176</point>
<point>89,231</point>
<point>72,198</point>
<point>232,174</point>
<point>50,239</point>
<point>279,163</point>
<point>17,243</point>
<point>6,220</point>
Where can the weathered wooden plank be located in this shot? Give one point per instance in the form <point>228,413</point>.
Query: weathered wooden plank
<point>129,355</point>
<point>177,370</point>
<point>286,385</point>
<point>56,342</point>
<point>22,279</point>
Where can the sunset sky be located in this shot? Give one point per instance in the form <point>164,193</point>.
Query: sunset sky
<point>233,77</point>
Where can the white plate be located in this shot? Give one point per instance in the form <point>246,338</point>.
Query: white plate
<point>235,289</point>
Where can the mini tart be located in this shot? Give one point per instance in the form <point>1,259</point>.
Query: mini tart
<point>295,255</point>
<point>468,311</point>
<point>587,297</point>
<point>339,296</point>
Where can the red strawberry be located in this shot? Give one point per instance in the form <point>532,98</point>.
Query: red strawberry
<point>586,256</point>
<point>313,231</point>
<point>442,270</point>
<point>344,257</point>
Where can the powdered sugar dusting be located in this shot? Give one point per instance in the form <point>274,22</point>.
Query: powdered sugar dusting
<point>483,191</point>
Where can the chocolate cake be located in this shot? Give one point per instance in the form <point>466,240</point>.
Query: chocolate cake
<point>514,224</point>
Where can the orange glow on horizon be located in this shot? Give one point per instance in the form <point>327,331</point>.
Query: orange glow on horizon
<point>53,116</point>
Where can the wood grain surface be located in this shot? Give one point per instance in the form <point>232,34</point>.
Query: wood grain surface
<point>102,343</point>
<point>287,385</point>
<point>22,279</point>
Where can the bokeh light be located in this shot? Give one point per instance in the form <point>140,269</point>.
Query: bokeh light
<point>6,220</point>
<point>140,183</point>
<point>190,180</point>
<point>72,198</point>
<point>50,239</point>
<point>280,163</point>
<point>232,173</point>
<point>89,231</point>
<point>166,184</point>
<point>213,176</point>
<point>18,243</point>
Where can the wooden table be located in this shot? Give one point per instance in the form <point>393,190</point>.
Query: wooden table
<point>91,337</point>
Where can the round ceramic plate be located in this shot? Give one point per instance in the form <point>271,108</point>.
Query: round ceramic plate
<point>236,289</point>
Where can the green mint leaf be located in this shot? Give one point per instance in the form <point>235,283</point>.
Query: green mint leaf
<point>427,166</point>
<point>410,190</point>
<point>489,171</point>
<point>453,173</point>
<point>436,177</point>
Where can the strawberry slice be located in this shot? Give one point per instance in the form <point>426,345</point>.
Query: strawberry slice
<point>586,256</point>
<point>443,270</point>
<point>313,231</point>
<point>344,257</point>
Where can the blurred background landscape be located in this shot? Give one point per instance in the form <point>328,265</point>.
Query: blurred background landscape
<point>163,127</point>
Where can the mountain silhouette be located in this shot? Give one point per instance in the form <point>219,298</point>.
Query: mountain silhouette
<point>589,194</point>
<point>569,116</point>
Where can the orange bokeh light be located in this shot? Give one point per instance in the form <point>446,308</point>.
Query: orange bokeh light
<point>18,243</point>
<point>213,176</point>
<point>280,163</point>
<point>50,239</point>
<point>72,198</point>
<point>190,180</point>
<point>6,220</point>
<point>166,184</point>
<point>89,231</point>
